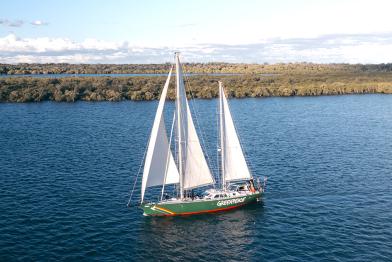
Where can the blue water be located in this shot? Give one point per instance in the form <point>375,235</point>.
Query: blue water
<point>66,171</point>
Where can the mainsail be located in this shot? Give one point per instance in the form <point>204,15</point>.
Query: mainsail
<point>193,168</point>
<point>234,165</point>
<point>159,166</point>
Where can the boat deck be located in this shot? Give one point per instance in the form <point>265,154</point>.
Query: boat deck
<point>229,195</point>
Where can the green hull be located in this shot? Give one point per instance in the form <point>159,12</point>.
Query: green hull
<point>189,207</point>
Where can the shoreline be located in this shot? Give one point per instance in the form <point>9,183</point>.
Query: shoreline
<point>156,100</point>
<point>25,90</point>
<point>287,80</point>
<point>194,68</point>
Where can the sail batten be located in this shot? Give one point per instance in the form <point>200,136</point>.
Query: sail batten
<point>234,166</point>
<point>159,165</point>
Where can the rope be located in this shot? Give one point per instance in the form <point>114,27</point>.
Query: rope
<point>137,176</point>
<point>217,144</point>
<point>196,115</point>
<point>168,155</point>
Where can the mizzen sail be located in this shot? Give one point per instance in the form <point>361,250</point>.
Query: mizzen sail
<point>234,164</point>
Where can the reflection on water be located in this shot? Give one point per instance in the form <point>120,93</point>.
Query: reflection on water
<point>224,234</point>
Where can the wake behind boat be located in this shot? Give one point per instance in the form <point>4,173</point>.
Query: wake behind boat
<point>190,171</point>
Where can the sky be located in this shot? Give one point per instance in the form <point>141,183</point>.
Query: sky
<point>240,31</point>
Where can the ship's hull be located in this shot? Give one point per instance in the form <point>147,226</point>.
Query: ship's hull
<point>190,207</point>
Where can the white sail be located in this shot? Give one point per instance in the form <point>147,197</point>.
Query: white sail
<point>159,164</point>
<point>194,171</point>
<point>197,172</point>
<point>235,166</point>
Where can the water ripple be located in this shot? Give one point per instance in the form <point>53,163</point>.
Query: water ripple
<point>66,170</point>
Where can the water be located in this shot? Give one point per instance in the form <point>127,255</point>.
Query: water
<point>66,170</point>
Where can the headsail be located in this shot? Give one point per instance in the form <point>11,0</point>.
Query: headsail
<point>158,162</point>
<point>234,163</point>
<point>194,169</point>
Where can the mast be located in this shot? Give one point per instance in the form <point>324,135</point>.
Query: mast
<point>222,135</point>
<point>179,126</point>
<point>193,167</point>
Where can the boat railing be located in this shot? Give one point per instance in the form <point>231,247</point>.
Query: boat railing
<point>261,186</point>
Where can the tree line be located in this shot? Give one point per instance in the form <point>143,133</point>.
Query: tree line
<point>207,68</point>
<point>286,83</point>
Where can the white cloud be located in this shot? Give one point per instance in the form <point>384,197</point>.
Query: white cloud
<point>13,44</point>
<point>344,48</point>
<point>19,23</point>
<point>11,23</point>
<point>39,23</point>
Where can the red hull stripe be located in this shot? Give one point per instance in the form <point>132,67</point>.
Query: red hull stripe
<point>201,212</point>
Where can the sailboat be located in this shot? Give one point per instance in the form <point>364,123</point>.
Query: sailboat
<point>190,171</point>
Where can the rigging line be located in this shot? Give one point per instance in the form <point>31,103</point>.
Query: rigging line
<point>244,151</point>
<point>217,143</point>
<point>250,165</point>
<point>168,155</point>
<point>138,173</point>
<point>204,144</point>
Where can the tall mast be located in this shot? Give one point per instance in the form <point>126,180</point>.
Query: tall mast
<point>179,126</point>
<point>222,134</point>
